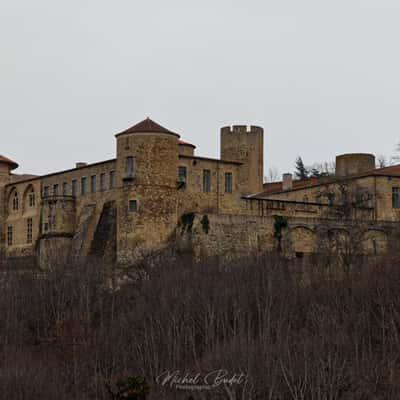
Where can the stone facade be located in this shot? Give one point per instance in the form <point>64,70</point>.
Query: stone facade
<point>157,193</point>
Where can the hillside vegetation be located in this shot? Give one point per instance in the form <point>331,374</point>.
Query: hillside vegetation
<point>294,330</point>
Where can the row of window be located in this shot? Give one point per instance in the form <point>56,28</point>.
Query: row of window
<point>29,233</point>
<point>31,199</point>
<point>83,185</point>
<point>182,174</point>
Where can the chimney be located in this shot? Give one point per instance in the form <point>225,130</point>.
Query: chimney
<point>80,164</point>
<point>287,182</point>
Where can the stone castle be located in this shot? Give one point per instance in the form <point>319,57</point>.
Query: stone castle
<point>157,192</point>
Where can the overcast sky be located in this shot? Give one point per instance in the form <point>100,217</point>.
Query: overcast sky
<point>322,77</point>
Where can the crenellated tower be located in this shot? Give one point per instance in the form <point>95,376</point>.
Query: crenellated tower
<point>246,145</point>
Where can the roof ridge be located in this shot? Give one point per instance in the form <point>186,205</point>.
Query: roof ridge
<point>147,125</point>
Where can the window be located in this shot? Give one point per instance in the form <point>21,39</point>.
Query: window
<point>65,188</point>
<point>93,183</point>
<point>32,197</point>
<point>9,235</point>
<point>305,199</point>
<point>46,191</point>
<point>83,185</point>
<point>55,189</point>
<point>395,197</point>
<point>15,202</point>
<point>103,182</point>
<point>228,182</point>
<point>318,198</point>
<point>133,205</point>
<point>74,188</point>
<point>130,165</point>
<point>182,174</point>
<point>331,198</point>
<point>29,230</point>
<point>112,179</point>
<point>206,180</point>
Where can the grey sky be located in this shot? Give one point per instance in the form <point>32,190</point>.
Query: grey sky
<point>322,77</point>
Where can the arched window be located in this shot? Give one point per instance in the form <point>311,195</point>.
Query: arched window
<point>31,197</point>
<point>15,202</point>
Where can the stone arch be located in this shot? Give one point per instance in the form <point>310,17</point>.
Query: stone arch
<point>339,240</point>
<point>375,242</point>
<point>303,240</point>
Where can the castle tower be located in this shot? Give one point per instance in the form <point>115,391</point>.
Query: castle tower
<point>147,170</point>
<point>58,219</point>
<point>245,145</point>
<point>6,166</point>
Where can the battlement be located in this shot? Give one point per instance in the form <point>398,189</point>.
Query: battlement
<point>242,129</point>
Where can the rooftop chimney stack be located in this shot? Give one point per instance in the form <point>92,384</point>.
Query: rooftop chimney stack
<point>80,164</point>
<point>287,181</point>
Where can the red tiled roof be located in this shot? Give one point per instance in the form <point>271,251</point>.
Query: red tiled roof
<point>392,169</point>
<point>11,163</point>
<point>276,187</point>
<point>183,143</point>
<point>147,125</point>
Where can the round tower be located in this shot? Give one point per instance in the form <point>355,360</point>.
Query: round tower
<point>6,166</point>
<point>353,164</point>
<point>57,229</point>
<point>245,145</point>
<point>186,149</point>
<point>146,175</point>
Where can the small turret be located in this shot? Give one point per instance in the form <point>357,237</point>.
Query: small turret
<point>186,149</point>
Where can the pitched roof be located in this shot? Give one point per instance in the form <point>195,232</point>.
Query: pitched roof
<point>183,143</point>
<point>11,163</point>
<point>147,125</point>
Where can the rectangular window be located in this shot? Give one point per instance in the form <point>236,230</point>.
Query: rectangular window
<point>182,174</point>
<point>93,183</point>
<point>133,205</point>
<point>206,180</point>
<point>83,185</point>
<point>112,179</point>
<point>29,230</point>
<point>46,191</point>
<point>130,166</point>
<point>74,188</point>
<point>228,182</point>
<point>9,235</point>
<point>395,197</point>
<point>103,182</point>
<point>65,188</point>
<point>55,189</point>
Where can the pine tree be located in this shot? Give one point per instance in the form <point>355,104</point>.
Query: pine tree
<point>301,170</point>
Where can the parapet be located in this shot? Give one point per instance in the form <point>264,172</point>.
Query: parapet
<point>242,129</point>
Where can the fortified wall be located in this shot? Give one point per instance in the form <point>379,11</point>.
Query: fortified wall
<point>157,194</point>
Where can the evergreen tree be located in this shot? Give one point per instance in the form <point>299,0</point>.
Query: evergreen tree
<point>301,170</point>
